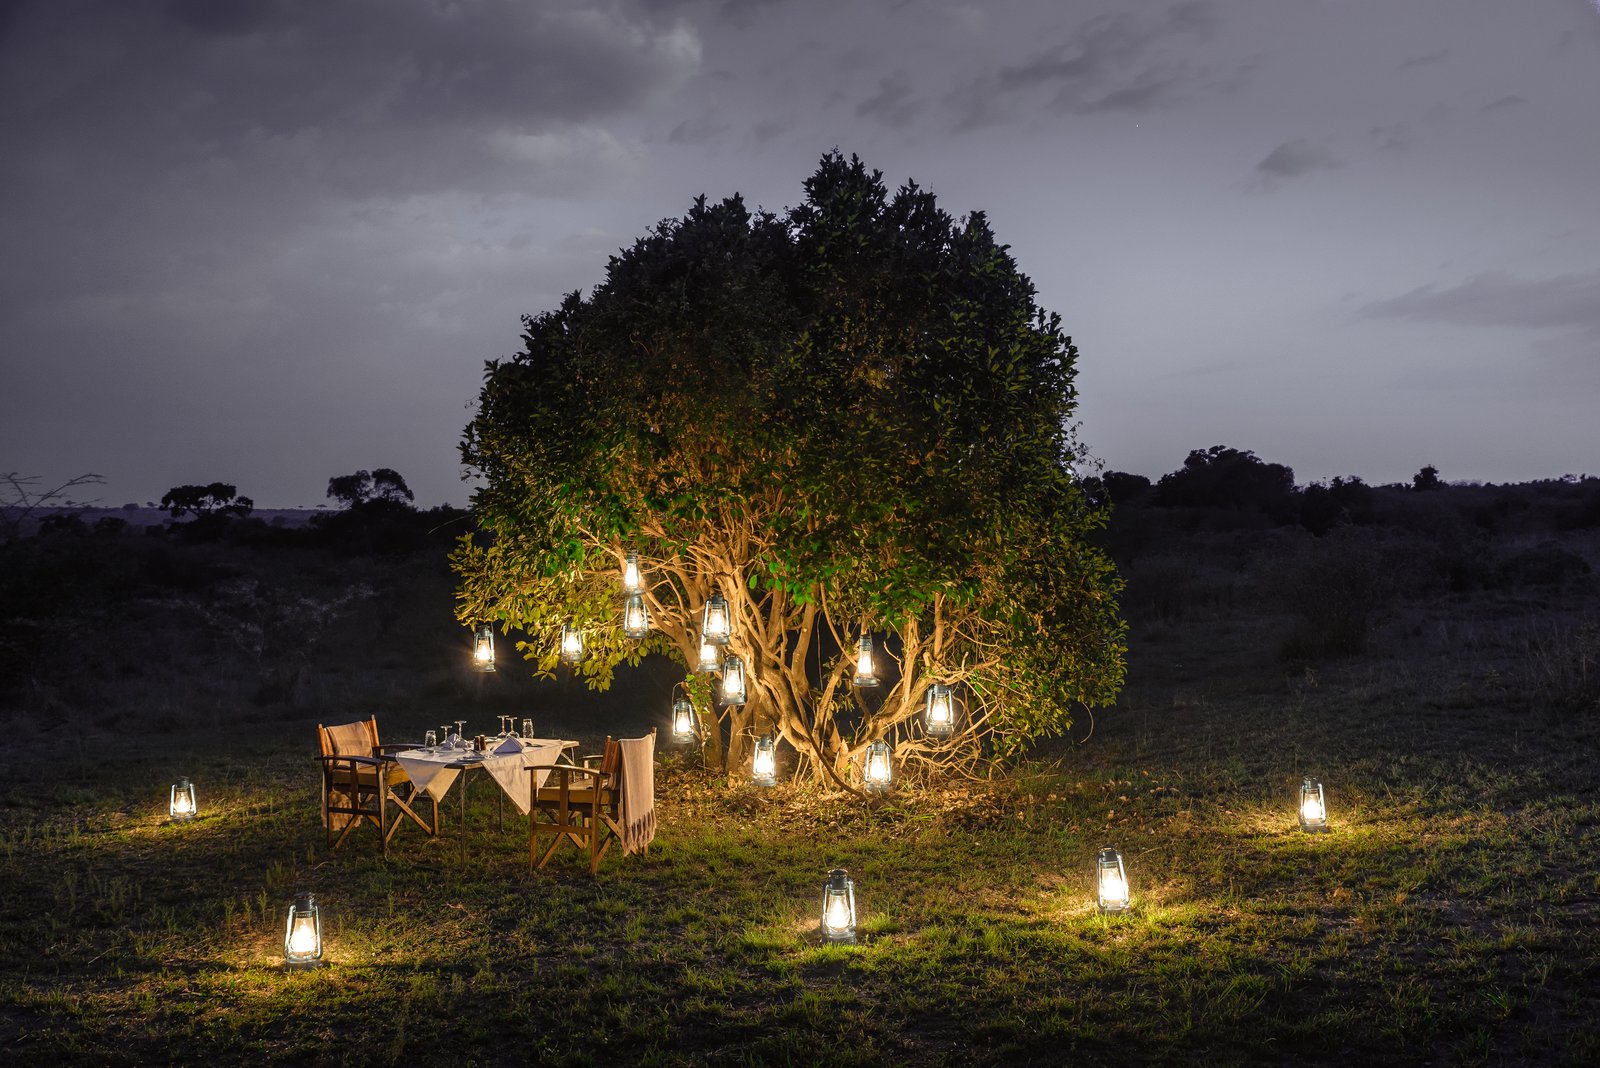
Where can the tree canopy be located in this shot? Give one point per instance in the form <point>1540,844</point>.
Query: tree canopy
<point>218,500</point>
<point>851,417</point>
<point>363,487</point>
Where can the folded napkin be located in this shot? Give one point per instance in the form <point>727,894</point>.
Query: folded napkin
<point>510,745</point>
<point>638,807</point>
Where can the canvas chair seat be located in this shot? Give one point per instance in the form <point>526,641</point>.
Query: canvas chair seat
<point>359,787</point>
<point>584,805</point>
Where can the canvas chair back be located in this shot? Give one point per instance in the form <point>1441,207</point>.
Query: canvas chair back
<point>349,739</point>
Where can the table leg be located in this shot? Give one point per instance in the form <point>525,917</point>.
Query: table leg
<point>500,808</point>
<point>464,779</point>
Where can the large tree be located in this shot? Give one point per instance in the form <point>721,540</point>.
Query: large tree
<point>851,417</point>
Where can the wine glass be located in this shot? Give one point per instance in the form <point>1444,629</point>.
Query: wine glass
<point>444,732</point>
<point>430,741</point>
<point>461,728</point>
<point>504,729</point>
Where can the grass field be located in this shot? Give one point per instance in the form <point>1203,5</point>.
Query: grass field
<point>1450,916</point>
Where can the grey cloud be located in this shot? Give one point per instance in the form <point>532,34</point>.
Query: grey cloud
<point>892,104</point>
<point>698,130</point>
<point>412,94</point>
<point>1392,138</point>
<point>1504,102</point>
<point>1425,60</point>
<point>767,129</point>
<point>1295,158</point>
<point>1112,62</point>
<point>1561,302</point>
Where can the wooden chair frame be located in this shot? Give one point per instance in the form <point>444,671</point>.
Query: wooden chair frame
<point>367,786</point>
<point>581,806</point>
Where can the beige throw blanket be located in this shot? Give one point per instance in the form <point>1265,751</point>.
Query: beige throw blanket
<point>638,807</point>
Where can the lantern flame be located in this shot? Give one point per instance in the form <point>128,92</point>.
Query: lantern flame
<point>571,644</point>
<point>838,913</point>
<point>303,936</point>
<point>766,763</point>
<point>1311,810</point>
<point>1113,888</point>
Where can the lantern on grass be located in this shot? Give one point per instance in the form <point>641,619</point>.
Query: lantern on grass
<point>483,648</point>
<point>181,805</point>
<point>839,908</point>
<point>683,728</point>
<point>733,692</point>
<point>716,627</point>
<point>1111,882</point>
<point>866,671</point>
<point>764,766</point>
<point>632,581</point>
<point>1313,807</point>
<point>571,644</point>
<point>636,618</point>
<point>878,771</point>
<point>302,936</point>
<point>940,718</point>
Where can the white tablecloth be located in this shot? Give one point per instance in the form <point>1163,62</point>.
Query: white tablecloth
<point>433,774</point>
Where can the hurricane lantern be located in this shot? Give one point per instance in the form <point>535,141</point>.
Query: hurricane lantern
<point>483,648</point>
<point>181,805</point>
<point>1313,806</point>
<point>764,767</point>
<point>716,626</point>
<point>733,691</point>
<point>1111,880</point>
<point>940,718</point>
<point>710,659</point>
<point>839,908</point>
<point>878,771</point>
<point>302,935</point>
<point>866,672</point>
<point>632,581</point>
<point>683,727</point>
<point>571,644</point>
<point>636,618</point>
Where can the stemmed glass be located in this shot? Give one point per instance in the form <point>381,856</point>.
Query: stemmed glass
<point>461,730</point>
<point>444,732</point>
<point>504,730</point>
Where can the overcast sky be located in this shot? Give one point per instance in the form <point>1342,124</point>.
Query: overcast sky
<point>271,241</point>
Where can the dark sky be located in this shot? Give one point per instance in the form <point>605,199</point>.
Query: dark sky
<point>271,241</point>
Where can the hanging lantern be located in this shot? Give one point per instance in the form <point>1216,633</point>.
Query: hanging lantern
<point>483,648</point>
<point>839,908</point>
<point>1111,882</point>
<point>710,659</point>
<point>764,767</point>
<point>1313,807</point>
<point>866,672</point>
<point>181,806</point>
<point>940,718</point>
<point>878,771</point>
<point>302,937</point>
<point>636,618</point>
<point>683,726</point>
<point>715,625</point>
<point>571,644</point>
<point>733,692</point>
<point>632,581</point>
